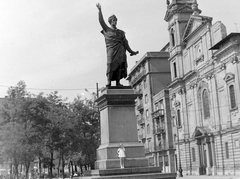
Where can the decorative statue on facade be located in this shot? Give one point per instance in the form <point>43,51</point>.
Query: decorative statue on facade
<point>117,45</point>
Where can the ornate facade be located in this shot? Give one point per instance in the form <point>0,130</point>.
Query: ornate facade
<point>204,91</point>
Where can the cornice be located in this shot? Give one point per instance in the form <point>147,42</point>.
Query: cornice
<point>225,49</point>
<point>189,74</point>
<point>175,82</point>
<point>116,100</point>
<point>174,55</point>
<point>180,10</point>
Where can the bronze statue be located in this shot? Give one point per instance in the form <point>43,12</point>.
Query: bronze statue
<point>117,45</point>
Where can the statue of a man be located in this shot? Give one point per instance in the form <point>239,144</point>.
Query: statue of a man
<point>117,45</point>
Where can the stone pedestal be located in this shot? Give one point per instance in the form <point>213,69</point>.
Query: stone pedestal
<point>119,125</point>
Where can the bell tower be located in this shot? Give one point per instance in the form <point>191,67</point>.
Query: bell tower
<point>177,15</point>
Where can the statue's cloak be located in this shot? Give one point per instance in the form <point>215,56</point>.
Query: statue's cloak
<point>116,53</point>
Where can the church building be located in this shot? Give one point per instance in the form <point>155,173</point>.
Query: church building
<point>204,91</point>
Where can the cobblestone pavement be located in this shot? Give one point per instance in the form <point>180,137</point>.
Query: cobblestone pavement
<point>210,177</point>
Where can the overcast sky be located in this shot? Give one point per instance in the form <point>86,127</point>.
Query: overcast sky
<point>57,44</point>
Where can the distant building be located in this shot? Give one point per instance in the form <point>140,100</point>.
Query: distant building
<point>149,77</point>
<point>162,131</point>
<point>204,91</point>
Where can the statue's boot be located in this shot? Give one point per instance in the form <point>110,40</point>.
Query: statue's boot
<point>118,83</point>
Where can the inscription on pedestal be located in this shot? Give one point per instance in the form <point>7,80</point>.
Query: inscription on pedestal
<point>122,123</point>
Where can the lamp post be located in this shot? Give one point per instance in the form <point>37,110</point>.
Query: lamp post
<point>179,156</point>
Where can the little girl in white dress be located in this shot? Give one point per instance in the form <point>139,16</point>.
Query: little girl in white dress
<point>121,155</point>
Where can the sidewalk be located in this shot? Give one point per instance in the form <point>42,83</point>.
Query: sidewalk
<point>210,177</point>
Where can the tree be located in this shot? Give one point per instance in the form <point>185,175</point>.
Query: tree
<point>86,127</point>
<point>34,126</point>
<point>16,132</point>
<point>22,127</point>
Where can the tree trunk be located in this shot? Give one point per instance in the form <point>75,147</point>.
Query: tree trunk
<point>40,166</point>
<point>27,170</point>
<point>15,172</point>
<point>51,165</point>
<point>72,168</point>
<point>75,168</point>
<point>81,169</point>
<point>59,163</point>
<point>69,169</point>
<point>63,164</point>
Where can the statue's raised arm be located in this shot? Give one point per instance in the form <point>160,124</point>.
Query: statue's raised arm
<point>98,6</point>
<point>100,17</point>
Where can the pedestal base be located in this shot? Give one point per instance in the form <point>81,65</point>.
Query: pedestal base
<point>129,173</point>
<point>107,156</point>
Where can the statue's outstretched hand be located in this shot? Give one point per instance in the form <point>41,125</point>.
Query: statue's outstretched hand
<point>98,6</point>
<point>134,53</point>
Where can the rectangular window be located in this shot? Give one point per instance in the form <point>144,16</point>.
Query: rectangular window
<point>146,98</point>
<point>148,129</point>
<point>149,145</point>
<point>226,150</point>
<point>140,87</point>
<point>166,160</point>
<point>147,113</point>
<point>193,155</point>
<point>151,161</point>
<point>175,137</point>
<point>175,69</point>
<point>237,144</point>
<point>232,96</point>
<point>179,123</point>
<point>145,84</point>
<point>164,144</point>
<point>161,104</point>
<point>156,106</point>
<point>160,162</point>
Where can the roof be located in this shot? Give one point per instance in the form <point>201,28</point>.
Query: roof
<point>158,54</point>
<point>165,48</point>
<point>217,46</point>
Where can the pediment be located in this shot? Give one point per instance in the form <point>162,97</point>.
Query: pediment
<point>200,132</point>
<point>195,23</point>
<point>229,76</point>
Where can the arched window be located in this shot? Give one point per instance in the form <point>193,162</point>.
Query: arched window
<point>205,99</point>
<point>232,96</point>
<point>172,38</point>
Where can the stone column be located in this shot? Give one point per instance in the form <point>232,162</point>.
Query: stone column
<point>119,125</point>
<point>199,170</point>
<point>208,169</point>
<point>164,167</point>
<point>214,169</point>
<point>171,160</point>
